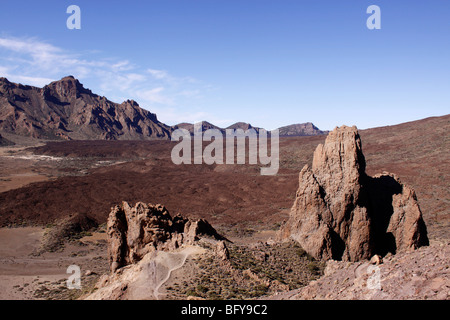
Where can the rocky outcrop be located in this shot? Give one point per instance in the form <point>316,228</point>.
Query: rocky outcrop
<point>136,231</point>
<point>343,214</point>
<point>221,251</point>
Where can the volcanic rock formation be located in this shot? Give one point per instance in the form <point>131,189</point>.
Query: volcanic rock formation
<point>64,109</point>
<point>341,213</point>
<point>135,231</point>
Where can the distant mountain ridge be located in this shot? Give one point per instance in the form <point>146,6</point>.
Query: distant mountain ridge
<point>64,109</point>
<point>301,129</point>
<point>205,125</point>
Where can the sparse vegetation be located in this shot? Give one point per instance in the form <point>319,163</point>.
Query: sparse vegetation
<point>251,272</point>
<point>58,290</point>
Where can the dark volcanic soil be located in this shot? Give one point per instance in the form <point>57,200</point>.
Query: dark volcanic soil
<point>229,195</point>
<point>225,194</point>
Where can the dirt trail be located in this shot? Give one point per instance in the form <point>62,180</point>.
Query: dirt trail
<point>143,280</point>
<point>171,262</point>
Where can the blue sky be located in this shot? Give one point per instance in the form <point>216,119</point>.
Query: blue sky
<point>270,63</point>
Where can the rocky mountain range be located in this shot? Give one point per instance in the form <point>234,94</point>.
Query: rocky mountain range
<point>65,109</point>
<point>205,125</point>
<point>293,130</point>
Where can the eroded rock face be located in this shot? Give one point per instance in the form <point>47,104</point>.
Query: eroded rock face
<point>341,213</point>
<point>66,110</point>
<point>135,231</point>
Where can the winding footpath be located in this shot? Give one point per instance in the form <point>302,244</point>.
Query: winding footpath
<point>168,260</point>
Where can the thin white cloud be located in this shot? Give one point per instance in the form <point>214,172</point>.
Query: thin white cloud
<point>38,55</point>
<point>8,72</point>
<point>154,96</point>
<point>33,81</point>
<point>34,62</point>
<point>166,77</point>
<point>112,81</point>
<point>189,93</point>
<point>30,45</point>
<point>3,70</point>
<point>159,74</point>
<point>124,65</point>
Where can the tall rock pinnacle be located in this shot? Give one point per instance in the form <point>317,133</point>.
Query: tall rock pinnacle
<point>341,213</point>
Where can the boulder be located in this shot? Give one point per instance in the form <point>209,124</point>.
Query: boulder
<point>221,250</point>
<point>376,260</point>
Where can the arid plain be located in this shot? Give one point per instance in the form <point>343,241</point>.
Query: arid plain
<point>45,184</point>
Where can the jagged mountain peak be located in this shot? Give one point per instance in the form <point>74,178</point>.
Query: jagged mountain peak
<point>66,109</point>
<point>67,87</point>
